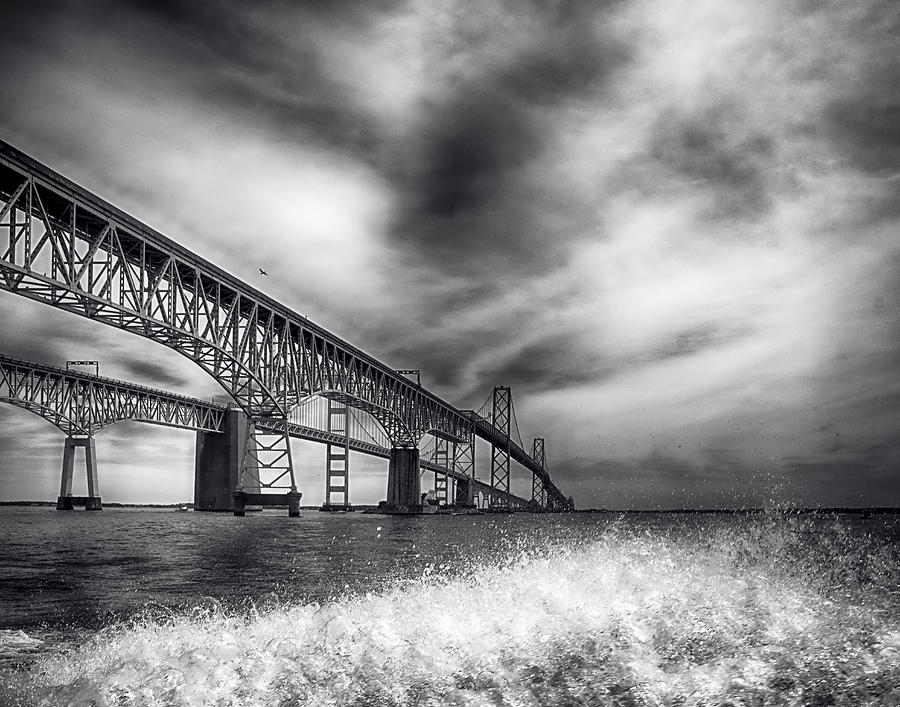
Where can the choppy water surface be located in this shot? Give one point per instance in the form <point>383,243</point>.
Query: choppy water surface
<point>159,608</point>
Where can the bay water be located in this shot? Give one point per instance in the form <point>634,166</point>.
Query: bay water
<point>155,607</point>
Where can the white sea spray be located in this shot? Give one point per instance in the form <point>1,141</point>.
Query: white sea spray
<point>764,613</point>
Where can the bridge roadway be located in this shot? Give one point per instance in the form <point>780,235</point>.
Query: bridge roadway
<point>81,404</point>
<point>375,450</point>
<point>64,246</point>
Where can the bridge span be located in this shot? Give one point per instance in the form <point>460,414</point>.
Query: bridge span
<point>68,248</point>
<point>81,404</point>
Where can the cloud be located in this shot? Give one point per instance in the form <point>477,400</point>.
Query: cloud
<point>661,223</point>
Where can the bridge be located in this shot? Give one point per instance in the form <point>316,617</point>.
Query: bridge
<point>80,405</point>
<point>65,247</point>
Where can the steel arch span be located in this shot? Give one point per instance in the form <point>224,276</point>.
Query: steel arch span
<point>66,247</point>
<point>79,404</point>
<point>61,245</point>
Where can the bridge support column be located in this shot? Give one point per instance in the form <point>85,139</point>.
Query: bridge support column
<point>217,464</point>
<point>538,489</point>
<point>501,417</point>
<point>404,491</point>
<point>442,458</point>
<point>66,501</point>
<point>337,460</point>
<point>242,499</point>
<point>465,494</point>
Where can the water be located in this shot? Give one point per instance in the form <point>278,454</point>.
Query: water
<point>130,607</point>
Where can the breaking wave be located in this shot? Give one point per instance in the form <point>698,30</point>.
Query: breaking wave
<point>763,611</point>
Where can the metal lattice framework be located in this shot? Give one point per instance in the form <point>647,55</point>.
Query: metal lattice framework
<point>80,404</point>
<point>337,457</point>
<point>441,456</point>
<point>538,491</point>
<point>501,419</point>
<point>61,245</point>
<point>66,247</point>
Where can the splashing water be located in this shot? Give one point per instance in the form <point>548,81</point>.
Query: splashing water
<point>754,611</point>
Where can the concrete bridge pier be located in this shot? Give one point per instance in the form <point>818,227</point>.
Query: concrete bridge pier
<point>217,463</point>
<point>242,500</point>
<point>217,471</point>
<point>465,494</point>
<point>404,489</point>
<point>66,501</point>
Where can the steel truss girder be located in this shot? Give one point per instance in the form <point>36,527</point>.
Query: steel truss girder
<point>61,245</point>
<point>267,462</point>
<point>44,390</point>
<point>486,430</point>
<point>442,457</point>
<point>81,404</point>
<point>394,426</point>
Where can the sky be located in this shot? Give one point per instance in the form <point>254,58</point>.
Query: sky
<point>671,227</point>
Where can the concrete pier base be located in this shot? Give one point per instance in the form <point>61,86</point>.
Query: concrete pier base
<point>404,490</point>
<point>242,499</point>
<point>217,464</point>
<point>293,499</point>
<point>465,494</point>
<point>336,508</point>
<point>239,503</point>
<point>66,501</point>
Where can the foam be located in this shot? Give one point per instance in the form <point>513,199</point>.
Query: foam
<point>629,618</point>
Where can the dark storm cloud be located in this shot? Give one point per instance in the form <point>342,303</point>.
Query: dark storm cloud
<point>41,334</point>
<point>713,148</point>
<point>864,119</point>
<point>662,224</point>
<point>48,337</point>
<point>547,364</point>
<point>867,128</point>
<point>154,374</point>
<point>474,147</point>
<point>471,203</point>
<point>217,51</point>
<point>694,340</point>
<point>556,360</point>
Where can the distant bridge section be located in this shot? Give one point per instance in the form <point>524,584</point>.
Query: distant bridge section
<point>81,404</point>
<point>501,440</point>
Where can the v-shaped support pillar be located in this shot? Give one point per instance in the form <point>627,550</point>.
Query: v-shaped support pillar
<point>66,501</point>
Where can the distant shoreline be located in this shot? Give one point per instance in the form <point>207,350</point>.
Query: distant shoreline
<point>106,504</point>
<point>777,509</point>
<point>872,510</point>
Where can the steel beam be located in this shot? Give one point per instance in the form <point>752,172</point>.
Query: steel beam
<point>64,246</point>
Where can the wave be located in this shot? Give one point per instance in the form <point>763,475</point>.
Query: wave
<point>14,644</point>
<point>751,614</point>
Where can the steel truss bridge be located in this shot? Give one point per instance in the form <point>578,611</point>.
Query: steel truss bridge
<point>64,246</point>
<point>80,405</point>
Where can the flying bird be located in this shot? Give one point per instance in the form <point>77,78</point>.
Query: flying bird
<point>262,272</point>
